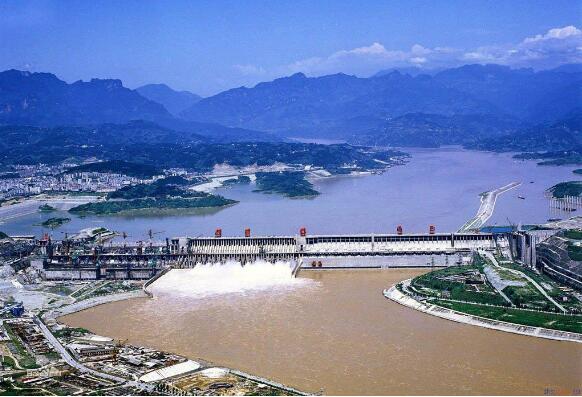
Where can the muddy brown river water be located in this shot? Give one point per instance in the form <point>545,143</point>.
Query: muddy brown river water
<point>334,331</point>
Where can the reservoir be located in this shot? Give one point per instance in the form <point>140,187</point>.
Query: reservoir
<point>438,186</point>
<point>331,331</point>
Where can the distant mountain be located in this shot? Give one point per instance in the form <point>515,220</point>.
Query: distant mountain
<point>337,105</point>
<point>433,130</point>
<point>174,101</point>
<point>521,93</point>
<point>42,99</point>
<point>299,106</point>
<point>413,71</point>
<point>561,135</point>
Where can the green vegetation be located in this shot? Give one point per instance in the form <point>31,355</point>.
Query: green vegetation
<point>241,180</point>
<point>456,283</point>
<point>166,193</point>
<point>12,389</point>
<point>3,235</point>
<point>560,322</point>
<point>167,187</point>
<point>578,171</point>
<point>113,287</point>
<point>469,284</point>
<point>8,361</point>
<point>560,157</point>
<point>142,171</point>
<point>53,223</point>
<point>575,252</point>
<point>572,188</point>
<point>288,183</point>
<point>46,208</point>
<point>24,358</point>
<point>60,289</point>
<point>528,296</point>
<point>573,234</point>
<point>116,207</point>
<point>148,144</point>
<point>67,332</point>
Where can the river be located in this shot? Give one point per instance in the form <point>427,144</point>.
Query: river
<point>437,186</point>
<point>333,331</point>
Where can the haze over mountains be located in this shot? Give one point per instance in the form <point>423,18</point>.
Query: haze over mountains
<point>174,101</point>
<point>467,105</point>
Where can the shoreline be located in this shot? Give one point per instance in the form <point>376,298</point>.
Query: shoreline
<point>52,317</point>
<point>395,295</point>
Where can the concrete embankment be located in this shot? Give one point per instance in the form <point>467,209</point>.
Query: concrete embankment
<point>488,200</point>
<point>91,302</point>
<point>395,295</point>
<point>154,278</point>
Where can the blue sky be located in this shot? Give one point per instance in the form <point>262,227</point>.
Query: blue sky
<point>210,46</point>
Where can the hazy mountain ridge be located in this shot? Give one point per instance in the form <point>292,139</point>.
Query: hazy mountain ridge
<point>174,101</point>
<point>560,135</point>
<point>433,130</point>
<point>332,106</point>
<point>465,105</point>
<point>43,100</point>
<point>302,105</point>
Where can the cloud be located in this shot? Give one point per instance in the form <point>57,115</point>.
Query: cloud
<point>555,47</point>
<point>369,59</point>
<point>556,33</point>
<point>250,70</point>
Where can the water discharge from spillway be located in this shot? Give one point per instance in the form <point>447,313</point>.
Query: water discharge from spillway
<point>228,278</point>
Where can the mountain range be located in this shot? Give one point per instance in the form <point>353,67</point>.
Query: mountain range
<point>174,101</point>
<point>472,105</point>
<point>43,100</point>
<point>333,106</point>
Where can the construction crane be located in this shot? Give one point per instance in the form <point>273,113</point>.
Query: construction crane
<point>514,227</point>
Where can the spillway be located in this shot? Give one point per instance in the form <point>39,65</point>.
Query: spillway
<point>207,280</point>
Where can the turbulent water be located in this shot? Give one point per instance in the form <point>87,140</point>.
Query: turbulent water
<point>229,278</point>
<point>336,333</point>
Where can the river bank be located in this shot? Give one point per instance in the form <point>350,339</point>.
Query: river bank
<point>395,295</point>
<point>347,338</point>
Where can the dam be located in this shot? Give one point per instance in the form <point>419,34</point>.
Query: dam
<point>64,261</point>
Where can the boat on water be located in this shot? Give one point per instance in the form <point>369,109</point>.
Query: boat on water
<point>521,197</point>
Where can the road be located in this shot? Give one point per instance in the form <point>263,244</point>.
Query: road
<point>75,364</point>
<point>30,205</point>
<point>488,200</point>
<point>528,278</point>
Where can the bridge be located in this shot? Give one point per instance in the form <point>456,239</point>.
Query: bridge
<point>139,261</point>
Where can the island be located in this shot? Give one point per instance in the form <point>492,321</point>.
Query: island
<point>53,223</point>
<point>287,183</point>
<point>46,208</point>
<point>167,193</point>
<point>566,157</point>
<point>564,189</point>
<point>240,180</point>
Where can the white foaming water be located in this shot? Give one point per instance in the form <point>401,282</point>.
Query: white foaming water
<point>229,278</point>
